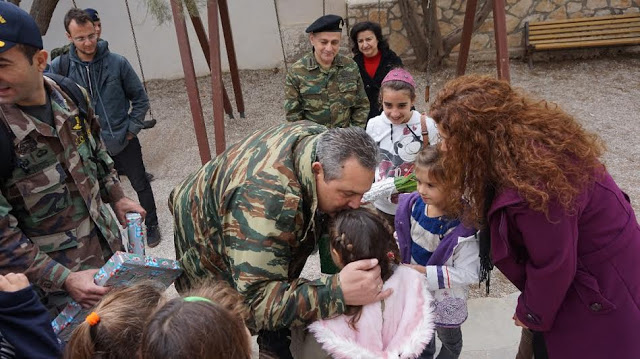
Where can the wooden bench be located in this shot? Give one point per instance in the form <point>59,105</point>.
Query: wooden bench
<point>612,30</point>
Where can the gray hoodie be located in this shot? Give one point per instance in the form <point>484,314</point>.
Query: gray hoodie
<point>118,96</point>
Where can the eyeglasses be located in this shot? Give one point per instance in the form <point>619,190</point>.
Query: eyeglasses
<point>81,39</point>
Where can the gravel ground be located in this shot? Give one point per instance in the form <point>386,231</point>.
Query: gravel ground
<point>603,93</point>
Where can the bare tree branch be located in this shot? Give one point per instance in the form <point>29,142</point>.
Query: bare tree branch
<point>415,34</point>
<point>41,11</point>
<point>455,37</point>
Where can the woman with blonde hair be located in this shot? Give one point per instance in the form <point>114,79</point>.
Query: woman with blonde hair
<point>555,222</point>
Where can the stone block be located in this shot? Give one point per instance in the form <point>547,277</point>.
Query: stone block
<point>515,40</point>
<point>575,15</point>
<point>511,2</point>
<point>385,31</point>
<point>458,20</point>
<point>558,14</point>
<point>378,16</point>
<point>620,4</point>
<point>574,7</point>
<point>445,4</point>
<point>512,23</point>
<point>395,10</point>
<point>487,26</point>
<point>521,8</point>
<point>396,25</point>
<point>480,41</point>
<point>545,6</point>
<point>446,28</point>
<point>596,4</point>
<point>603,12</point>
<point>447,14</point>
<point>399,43</point>
<point>632,10</point>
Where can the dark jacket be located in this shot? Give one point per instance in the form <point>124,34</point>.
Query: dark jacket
<point>25,324</point>
<point>114,88</point>
<point>578,272</point>
<point>388,61</point>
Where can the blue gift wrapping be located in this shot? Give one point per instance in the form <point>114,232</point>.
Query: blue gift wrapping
<point>122,269</point>
<point>128,268</point>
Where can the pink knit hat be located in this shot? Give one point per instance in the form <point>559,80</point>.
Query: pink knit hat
<point>399,74</point>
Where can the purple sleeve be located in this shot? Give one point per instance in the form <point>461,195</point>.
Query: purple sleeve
<point>551,244</point>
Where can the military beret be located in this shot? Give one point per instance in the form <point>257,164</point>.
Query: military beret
<point>329,23</point>
<point>17,27</point>
<point>93,14</point>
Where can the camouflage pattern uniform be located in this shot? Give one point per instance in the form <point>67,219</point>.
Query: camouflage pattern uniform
<point>53,217</point>
<point>249,217</point>
<point>334,97</point>
<point>58,51</point>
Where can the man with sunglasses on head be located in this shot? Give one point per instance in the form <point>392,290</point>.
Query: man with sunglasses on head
<point>120,102</point>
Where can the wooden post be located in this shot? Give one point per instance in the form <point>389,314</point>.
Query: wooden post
<point>216,75</point>
<point>502,50</point>
<point>231,55</point>
<point>467,32</point>
<point>204,44</point>
<point>190,81</point>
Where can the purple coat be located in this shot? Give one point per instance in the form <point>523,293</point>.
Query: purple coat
<point>579,274</point>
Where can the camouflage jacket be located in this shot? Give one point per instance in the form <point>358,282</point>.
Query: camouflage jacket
<point>333,97</point>
<point>58,51</point>
<point>53,205</point>
<point>249,217</point>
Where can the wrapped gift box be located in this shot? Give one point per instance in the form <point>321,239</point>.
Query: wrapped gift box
<point>122,269</point>
<point>128,268</point>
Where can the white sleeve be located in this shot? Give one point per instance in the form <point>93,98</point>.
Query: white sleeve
<point>462,270</point>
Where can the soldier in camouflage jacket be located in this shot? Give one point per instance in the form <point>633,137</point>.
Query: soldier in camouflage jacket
<point>54,224</point>
<point>324,86</point>
<point>251,217</point>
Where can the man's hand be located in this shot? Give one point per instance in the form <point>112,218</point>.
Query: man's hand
<point>361,283</point>
<point>130,136</point>
<point>82,289</point>
<point>13,282</point>
<point>419,268</point>
<point>124,205</point>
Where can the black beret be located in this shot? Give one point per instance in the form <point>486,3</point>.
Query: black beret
<point>330,23</point>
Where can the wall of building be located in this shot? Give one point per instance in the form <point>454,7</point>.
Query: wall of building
<point>265,32</point>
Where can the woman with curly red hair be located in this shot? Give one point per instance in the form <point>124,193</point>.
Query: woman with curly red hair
<point>555,222</point>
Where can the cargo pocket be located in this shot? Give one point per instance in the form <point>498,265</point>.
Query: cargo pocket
<point>45,193</point>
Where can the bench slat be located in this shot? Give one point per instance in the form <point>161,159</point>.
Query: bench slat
<point>537,44</point>
<point>594,24</point>
<point>583,28</point>
<point>582,19</point>
<point>577,44</point>
<point>536,38</point>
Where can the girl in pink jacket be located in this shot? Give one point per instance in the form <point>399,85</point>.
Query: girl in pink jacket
<point>397,327</point>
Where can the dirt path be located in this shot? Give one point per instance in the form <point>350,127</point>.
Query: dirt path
<point>603,93</point>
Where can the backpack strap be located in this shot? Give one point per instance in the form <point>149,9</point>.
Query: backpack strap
<point>424,130</point>
<point>65,62</point>
<point>73,90</point>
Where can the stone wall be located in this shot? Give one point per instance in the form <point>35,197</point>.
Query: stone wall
<point>451,17</point>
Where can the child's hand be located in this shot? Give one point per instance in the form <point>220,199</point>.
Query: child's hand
<point>13,282</point>
<point>518,323</point>
<point>419,268</point>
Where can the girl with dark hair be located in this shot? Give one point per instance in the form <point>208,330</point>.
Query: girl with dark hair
<point>397,327</point>
<point>559,226</point>
<point>207,323</point>
<point>434,242</point>
<point>374,58</point>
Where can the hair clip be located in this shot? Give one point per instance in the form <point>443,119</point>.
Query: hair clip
<point>93,319</point>
<point>197,299</point>
<point>349,247</point>
<point>390,255</point>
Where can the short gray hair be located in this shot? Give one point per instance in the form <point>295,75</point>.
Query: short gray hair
<point>340,144</point>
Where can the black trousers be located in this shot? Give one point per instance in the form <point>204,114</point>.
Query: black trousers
<point>130,161</point>
<point>275,344</point>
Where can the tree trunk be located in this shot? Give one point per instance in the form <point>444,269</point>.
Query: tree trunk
<point>41,11</point>
<point>417,38</point>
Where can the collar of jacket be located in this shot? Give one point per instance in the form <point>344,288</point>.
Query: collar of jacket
<point>305,156</point>
<point>503,199</point>
<point>311,63</point>
<point>22,124</point>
